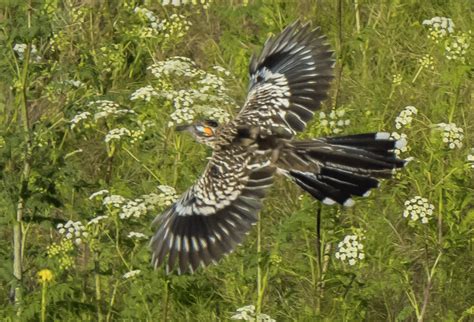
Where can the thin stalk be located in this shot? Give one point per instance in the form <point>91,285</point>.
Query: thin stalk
<point>98,296</point>
<point>427,288</point>
<point>320,260</point>
<point>166,301</point>
<point>112,301</point>
<point>259,268</point>
<point>17,224</point>
<point>324,269</point>
<point>43,301</point>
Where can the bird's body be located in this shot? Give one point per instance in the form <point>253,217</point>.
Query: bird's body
<point>288,81</point>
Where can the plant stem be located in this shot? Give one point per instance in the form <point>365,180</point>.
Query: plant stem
<point>98,298</point>
<point>259,268</point>
<point>166,301</point>
<point>43,301</point>
<point>112,301</point>
<point>427,288</point>
<point>17,225</point>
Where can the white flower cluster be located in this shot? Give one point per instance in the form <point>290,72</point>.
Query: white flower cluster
<point>148,15</point>
<point>439,27</point>
<point>113,200</point>
<point>427,62</point>
<point>98,194</point>
<point>73,230</point>
<point>78,118</point>
<point>136,235</point>
<point>452,135</point>
<point>418,208</point>
<point>470,159</point>
<point>133,208</point>
<point>350,249</point>
<point>131,274</point>
<point>167,196</point>
<point>106,108</point>
<point>174,66</point>
<point>221,70</point>
<point>177,3</point>
<point>74,83</point>
<point>247,313</point>
<point>457,46</point>
<point>117,134</point>
<point>144,93</point>
<point>211,91</point>
<point>96,220</point>
<point>20,51</point>
<point>174,27</point>
<point>405,117</point>
<point>403,147</point>
<point>333,122</point>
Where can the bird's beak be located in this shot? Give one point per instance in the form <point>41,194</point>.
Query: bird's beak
<point>182,127</point>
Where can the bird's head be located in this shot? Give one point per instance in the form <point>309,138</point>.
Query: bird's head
<point>203,131</point>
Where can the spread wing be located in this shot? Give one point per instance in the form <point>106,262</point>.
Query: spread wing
<point>212,217</point>
<point>288,81</point>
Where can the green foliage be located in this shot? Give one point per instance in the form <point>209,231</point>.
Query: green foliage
<point>80,112</point>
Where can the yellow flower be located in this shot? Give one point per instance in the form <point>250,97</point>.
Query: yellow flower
<point>45,275</point>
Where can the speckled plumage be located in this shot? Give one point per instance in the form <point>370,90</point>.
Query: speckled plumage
<point>288,82</point>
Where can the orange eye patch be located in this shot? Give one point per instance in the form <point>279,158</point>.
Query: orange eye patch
<point>208,131</point>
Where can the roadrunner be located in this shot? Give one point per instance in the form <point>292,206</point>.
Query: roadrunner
<point>288,82</point>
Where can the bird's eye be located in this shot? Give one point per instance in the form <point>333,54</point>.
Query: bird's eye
<point>205,130</point>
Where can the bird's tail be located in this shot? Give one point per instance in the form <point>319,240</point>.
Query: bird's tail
<point>332,169</point>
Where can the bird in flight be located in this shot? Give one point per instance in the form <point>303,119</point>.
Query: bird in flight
<point>288,81</point>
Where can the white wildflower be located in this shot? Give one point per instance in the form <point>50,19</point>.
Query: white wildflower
<point>418,208</point>
<point>439,27</point>
<point>117,134</point>
<point>98,194</point>
<point>74,83</point>
<point>73,230</point>
<point>136,135</point>
<point>247,313</point>
<point>107,108</point>
<point>167,196</point>
<point>96,220</point>
<point>334,121</point>
<point>350,249</point>
<point>113,200</point>
<point>148,14</point>
<point>181,116</point>
<point>402,146</point>
<point>405,117</point>
<point>452,135</point>
<point>78,118</point>
<point>131,274</point>
<point>133,208</point>
<point>221,70</point>
<point>470,159</point>
<point>20,50</point>
<point>457,46</point>
<point>136,235</point>
<point>179,66</point>
<point>144,93</point>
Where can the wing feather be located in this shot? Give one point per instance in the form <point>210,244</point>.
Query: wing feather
<point>288,81</point>
<point>215,214</point>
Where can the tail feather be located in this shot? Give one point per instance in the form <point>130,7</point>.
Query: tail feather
<point>335,168</point>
